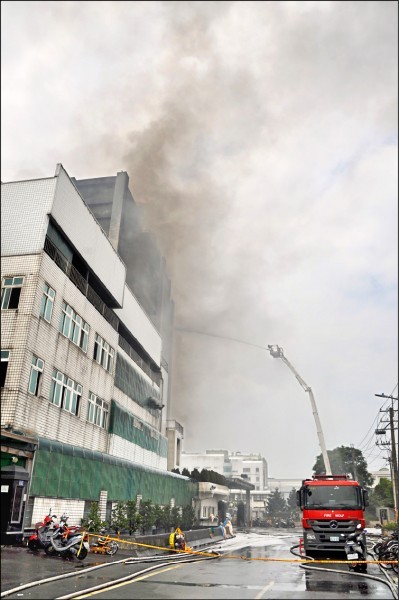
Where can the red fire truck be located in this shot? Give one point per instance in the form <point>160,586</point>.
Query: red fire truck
<point>332,506</point>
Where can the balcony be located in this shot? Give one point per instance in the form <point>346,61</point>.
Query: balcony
<point>81,283</point>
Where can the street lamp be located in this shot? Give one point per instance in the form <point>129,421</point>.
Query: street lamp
<point>277,352</point>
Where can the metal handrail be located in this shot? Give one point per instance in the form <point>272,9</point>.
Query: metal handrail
<point>81,283</point>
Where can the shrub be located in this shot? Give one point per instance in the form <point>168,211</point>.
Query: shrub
<point>93,521</point>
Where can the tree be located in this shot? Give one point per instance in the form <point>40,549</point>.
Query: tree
<point>185,472</point>
<point>133,516</point>
<point>119,519</point>
<point>276,504</point>
<point>292,507</point>
<point>175,516</point>
<point>93,521</point>
<point>166,518</point>
<point>158,512</point>
<point>195,474</point>
<point>382,494</point>
<point>146,511</point>
<point>212,477</point>
<point>345,459</point>
<point>187,517</point>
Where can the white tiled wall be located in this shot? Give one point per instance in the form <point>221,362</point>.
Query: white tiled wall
<point>73,508</point>
<point>27,334</point>
<point>125,449</point>
<point>24,220</point>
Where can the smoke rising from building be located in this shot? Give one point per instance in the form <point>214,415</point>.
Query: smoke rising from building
<point>260,141</point>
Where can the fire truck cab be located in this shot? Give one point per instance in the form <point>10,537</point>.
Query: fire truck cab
<point>332,506</point>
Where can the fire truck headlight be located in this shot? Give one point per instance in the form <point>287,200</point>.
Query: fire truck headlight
<point>309,522</point>
<point>310,536</point>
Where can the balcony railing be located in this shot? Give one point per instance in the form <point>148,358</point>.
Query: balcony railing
<point>155,376</point>
<point>77,279</point>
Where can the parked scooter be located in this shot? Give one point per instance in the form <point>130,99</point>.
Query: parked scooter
<point>356,549</point>
<point>68,541</point>
<point>43,531</point>
<point>387,549</point>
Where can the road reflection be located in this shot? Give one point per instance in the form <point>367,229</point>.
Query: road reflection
<point>315,584</point>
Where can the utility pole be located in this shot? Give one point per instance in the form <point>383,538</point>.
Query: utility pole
<point>394,460</point>
<point>277,352</point>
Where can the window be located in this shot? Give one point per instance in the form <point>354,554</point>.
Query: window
<point>46,307</point>
<point>98,411</point>
<point>257,470</point>
<point>36,371</point>
<point>65,392</point>
<point>10,292</point>
<point>246,470</point>
<point>103,353</point>
<point>5,355</point>
<point>73,327</point>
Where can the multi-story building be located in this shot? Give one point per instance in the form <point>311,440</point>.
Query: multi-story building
<point>252,467</point>
<point>111,202</point>
<point>83,361</point>
<point>233,465</point>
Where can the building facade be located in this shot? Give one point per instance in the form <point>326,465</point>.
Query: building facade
<point>252,467</point>
<point>235,465</point>
<point>84,370</point>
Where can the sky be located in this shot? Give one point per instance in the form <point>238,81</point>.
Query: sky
<point>260,139</point>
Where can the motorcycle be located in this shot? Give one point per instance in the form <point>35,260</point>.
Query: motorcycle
<point>68,541</point>
<point>356,549</point>
<point>43,531</point>
<point>387,549</point>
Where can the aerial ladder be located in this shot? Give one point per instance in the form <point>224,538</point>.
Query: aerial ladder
<point>277,352</point>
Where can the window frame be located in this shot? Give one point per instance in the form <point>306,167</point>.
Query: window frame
<point>36,371</point>
<point>97,411</point>
<point>74,327</point>
<point>65,393</point>
<point>4,359</point>
<point>103,353</point>
<point>47,303</point>
<point>11,291</point>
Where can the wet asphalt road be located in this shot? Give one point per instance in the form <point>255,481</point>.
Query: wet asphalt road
<point>242,572</point>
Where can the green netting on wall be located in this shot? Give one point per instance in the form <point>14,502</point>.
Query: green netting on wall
<point>65,471</point>
<point>134,385</point>
<point>129,427</point>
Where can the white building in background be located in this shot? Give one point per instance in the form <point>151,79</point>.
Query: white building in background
<point>383,473</point>
<point>283,485</point>
<point>250,467</point>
